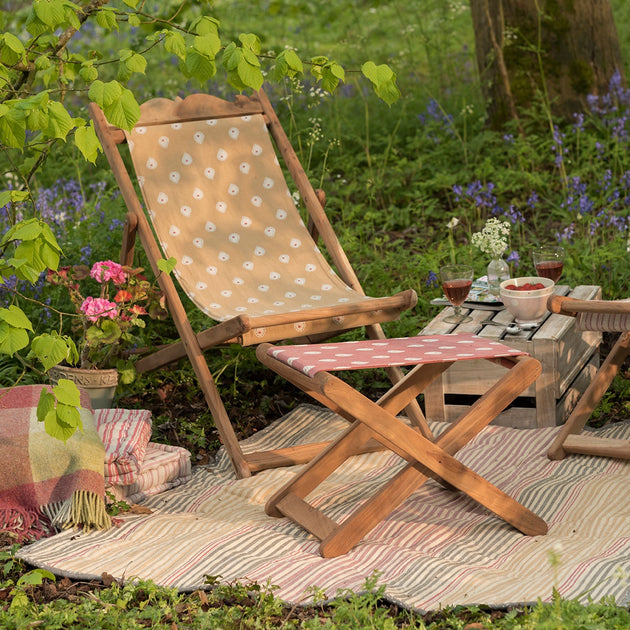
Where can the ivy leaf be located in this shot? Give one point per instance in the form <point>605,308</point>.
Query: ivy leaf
<point>87,142</point>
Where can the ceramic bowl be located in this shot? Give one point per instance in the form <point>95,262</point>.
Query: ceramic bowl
<point>526,306</point>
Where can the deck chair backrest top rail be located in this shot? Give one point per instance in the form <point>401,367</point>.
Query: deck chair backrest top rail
<point>220,205</point>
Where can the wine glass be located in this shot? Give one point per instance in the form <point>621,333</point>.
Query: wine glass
<point>549,262</point>
<point>456,282</point>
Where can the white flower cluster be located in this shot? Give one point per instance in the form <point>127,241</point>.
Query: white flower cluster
<point>493,239</point>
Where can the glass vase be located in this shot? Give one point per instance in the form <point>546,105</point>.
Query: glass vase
<point>498,271</point>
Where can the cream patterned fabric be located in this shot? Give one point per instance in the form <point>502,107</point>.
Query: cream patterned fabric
<point>604,322</point>
<point>221,207</point>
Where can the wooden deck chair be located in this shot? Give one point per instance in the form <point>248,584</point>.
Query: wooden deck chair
<point>310,367</point>
<point>217,201</point>
<point>601,316</point>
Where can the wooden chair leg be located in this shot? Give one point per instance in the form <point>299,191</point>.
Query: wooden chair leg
<point>567,439</point>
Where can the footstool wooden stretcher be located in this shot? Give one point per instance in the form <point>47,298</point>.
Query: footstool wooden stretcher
<point>309,366</point>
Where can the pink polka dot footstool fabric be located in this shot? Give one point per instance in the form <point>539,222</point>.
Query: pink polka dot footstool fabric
<point>360,355</point>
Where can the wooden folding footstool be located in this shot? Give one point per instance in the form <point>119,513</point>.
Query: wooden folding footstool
<point>309,366</point>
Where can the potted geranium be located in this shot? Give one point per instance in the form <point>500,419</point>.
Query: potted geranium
<point>110,303</point>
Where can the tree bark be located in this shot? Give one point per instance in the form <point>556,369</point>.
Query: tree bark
<point>557,51</point>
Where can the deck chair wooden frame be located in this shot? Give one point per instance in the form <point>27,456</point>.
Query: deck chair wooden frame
<point>603,316</point>
<point>304,325</point>
<point>378,422</point>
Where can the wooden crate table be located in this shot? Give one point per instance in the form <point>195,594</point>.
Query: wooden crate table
<point>569,361</point>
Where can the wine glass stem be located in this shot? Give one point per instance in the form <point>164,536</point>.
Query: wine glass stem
<point>458,311</point>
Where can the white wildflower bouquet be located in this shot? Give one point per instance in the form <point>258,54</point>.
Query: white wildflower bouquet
<point>493,238</point>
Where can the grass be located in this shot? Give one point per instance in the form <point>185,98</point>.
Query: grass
<point>395,178</point>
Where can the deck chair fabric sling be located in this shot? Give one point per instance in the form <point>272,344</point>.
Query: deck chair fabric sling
<point>602,316</point>
<point>218,202</point>
<point>425,456</point>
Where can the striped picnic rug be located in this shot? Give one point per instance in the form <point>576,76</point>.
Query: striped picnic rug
<point>439,548</point>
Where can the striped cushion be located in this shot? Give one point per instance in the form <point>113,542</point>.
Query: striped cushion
<point>603,322</point>
<point>164,467</point>
<point>125,434</point>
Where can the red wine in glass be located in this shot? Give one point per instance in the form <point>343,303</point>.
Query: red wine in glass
<point>549,262</point>
<point>456,291</point>
<point>456,282</point>
<point>550,269</point>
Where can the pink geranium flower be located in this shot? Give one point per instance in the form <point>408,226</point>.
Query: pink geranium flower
<point>95,308</point>
<point>108,270</point>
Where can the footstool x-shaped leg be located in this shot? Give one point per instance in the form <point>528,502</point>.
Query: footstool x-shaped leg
<point>308,367</point>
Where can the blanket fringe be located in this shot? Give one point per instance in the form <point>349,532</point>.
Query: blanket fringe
<point>84,509</point>
<point>25,524</point>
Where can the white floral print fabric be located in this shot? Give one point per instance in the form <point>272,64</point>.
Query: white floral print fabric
<point>221,207</point>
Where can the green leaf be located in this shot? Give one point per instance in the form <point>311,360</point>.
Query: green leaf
<point>15,317</point>
<point>208,45</point>
<point>126,371</point>
<point>67,393</point>
<point>175,44</point>
<point>27,230</point>
<point>250,42</point>
<point>130,62</point>
<point>133,20</point>
<point>118,103</point>
<point>205,25</point>
<point>51,349</point>
<point>383,79</point>
<point>199,66</point>
<point>62,422</point>
<point>13,339</point>
<point>11,49</point>
<point>87,142</point>
<point>15,196</point>
<point>36,577</point>
<point>131,3</point>
<point>60,122</point>
<point>167,266</point>
<point>45,405</point>
<point>288,64</point>
<point>106,18</point>
<point>49,12</point>
<point>88,72</point>
<point>12,127</point>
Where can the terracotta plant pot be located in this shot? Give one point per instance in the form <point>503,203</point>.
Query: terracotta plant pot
<point>100,384</point>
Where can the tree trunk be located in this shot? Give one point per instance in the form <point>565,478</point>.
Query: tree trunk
<point>559,51</point>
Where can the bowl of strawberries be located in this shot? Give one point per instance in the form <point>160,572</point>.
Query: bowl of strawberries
<point>526,298</point>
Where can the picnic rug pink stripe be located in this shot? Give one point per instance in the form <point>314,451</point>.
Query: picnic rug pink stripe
<point>439,548</point>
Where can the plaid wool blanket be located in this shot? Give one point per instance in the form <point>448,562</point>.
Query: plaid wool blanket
<point>47,484</point>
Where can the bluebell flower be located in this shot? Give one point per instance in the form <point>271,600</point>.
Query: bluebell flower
<point>432,280</point>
